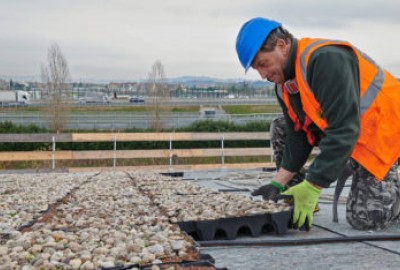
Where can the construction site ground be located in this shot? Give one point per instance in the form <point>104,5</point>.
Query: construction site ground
<point>328,245</point>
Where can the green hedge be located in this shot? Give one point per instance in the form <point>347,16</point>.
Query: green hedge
<point>9,127</point>
<point>198,126</point>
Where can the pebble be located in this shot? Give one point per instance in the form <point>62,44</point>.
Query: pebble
<point>87,266</point>
<point>3,250</point>
<point>57,256</point>
<point>75,263</point>
<point>177,245</point>
<point>107,264</point>
<point>134,259</point>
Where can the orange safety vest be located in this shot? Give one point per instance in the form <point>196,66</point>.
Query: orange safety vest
<point>378,146</point>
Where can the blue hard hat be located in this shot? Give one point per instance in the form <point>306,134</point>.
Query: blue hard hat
<point>250,38</point>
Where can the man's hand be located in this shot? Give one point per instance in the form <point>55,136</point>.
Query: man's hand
<point>305,197</point>
<point>269,191</point>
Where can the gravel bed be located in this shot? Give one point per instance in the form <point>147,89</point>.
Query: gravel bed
<point>94,221</point>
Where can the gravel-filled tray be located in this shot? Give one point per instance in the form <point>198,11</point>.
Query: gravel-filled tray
<point>119,220</point>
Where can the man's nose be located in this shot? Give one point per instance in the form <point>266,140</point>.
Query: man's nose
<point>262,73</point>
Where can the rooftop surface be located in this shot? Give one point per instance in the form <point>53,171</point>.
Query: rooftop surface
<point>328,245</point>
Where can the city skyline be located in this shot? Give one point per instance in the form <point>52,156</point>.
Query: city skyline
<point>121,39</point>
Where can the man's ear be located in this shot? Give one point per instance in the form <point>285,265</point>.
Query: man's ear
<point>283,46</point>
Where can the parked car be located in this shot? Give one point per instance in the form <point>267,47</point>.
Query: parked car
<point>136,100</point>
<point>94,100</point>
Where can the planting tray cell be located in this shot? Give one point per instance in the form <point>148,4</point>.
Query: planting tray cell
<point>230,228</point>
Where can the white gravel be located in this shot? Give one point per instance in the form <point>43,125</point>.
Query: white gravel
<point>88,220</point>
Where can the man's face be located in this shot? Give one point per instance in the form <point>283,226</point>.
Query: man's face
<point>270,64</point>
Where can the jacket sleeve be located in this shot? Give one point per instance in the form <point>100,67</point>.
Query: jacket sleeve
<point>297,149</point>
<point>333,75</point>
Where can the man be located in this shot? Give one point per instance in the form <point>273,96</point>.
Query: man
<point>336,97</point>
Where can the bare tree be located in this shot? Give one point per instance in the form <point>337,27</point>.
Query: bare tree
<point>56,79</point>
<point>158,92</point>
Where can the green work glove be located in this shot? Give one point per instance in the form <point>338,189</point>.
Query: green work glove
<point>305,197</point>
<point>269,191</point>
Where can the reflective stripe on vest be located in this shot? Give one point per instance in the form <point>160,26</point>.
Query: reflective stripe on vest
<point>373,90</point>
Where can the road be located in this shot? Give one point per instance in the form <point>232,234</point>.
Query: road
<point>183,102</point>
<point>125,120</point>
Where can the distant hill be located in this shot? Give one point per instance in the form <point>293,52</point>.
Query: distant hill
<point>28,78</point>
<point>199,79</point>
<point>203,80</point>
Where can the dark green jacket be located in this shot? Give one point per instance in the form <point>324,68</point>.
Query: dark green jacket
<point>333,76</point>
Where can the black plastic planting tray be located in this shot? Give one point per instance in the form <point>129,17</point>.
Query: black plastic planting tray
<point>230,228</point>
<point>205,262</point>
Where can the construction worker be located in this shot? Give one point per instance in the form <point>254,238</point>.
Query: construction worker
<point>337,98</point>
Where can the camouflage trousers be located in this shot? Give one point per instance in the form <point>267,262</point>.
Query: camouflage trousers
<point>278,135</point>
<point>371,204</point>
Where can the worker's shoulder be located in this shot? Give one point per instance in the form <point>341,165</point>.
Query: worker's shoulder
<point>330,51</point>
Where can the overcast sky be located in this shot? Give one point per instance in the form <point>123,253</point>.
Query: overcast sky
<point>121,39</point>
